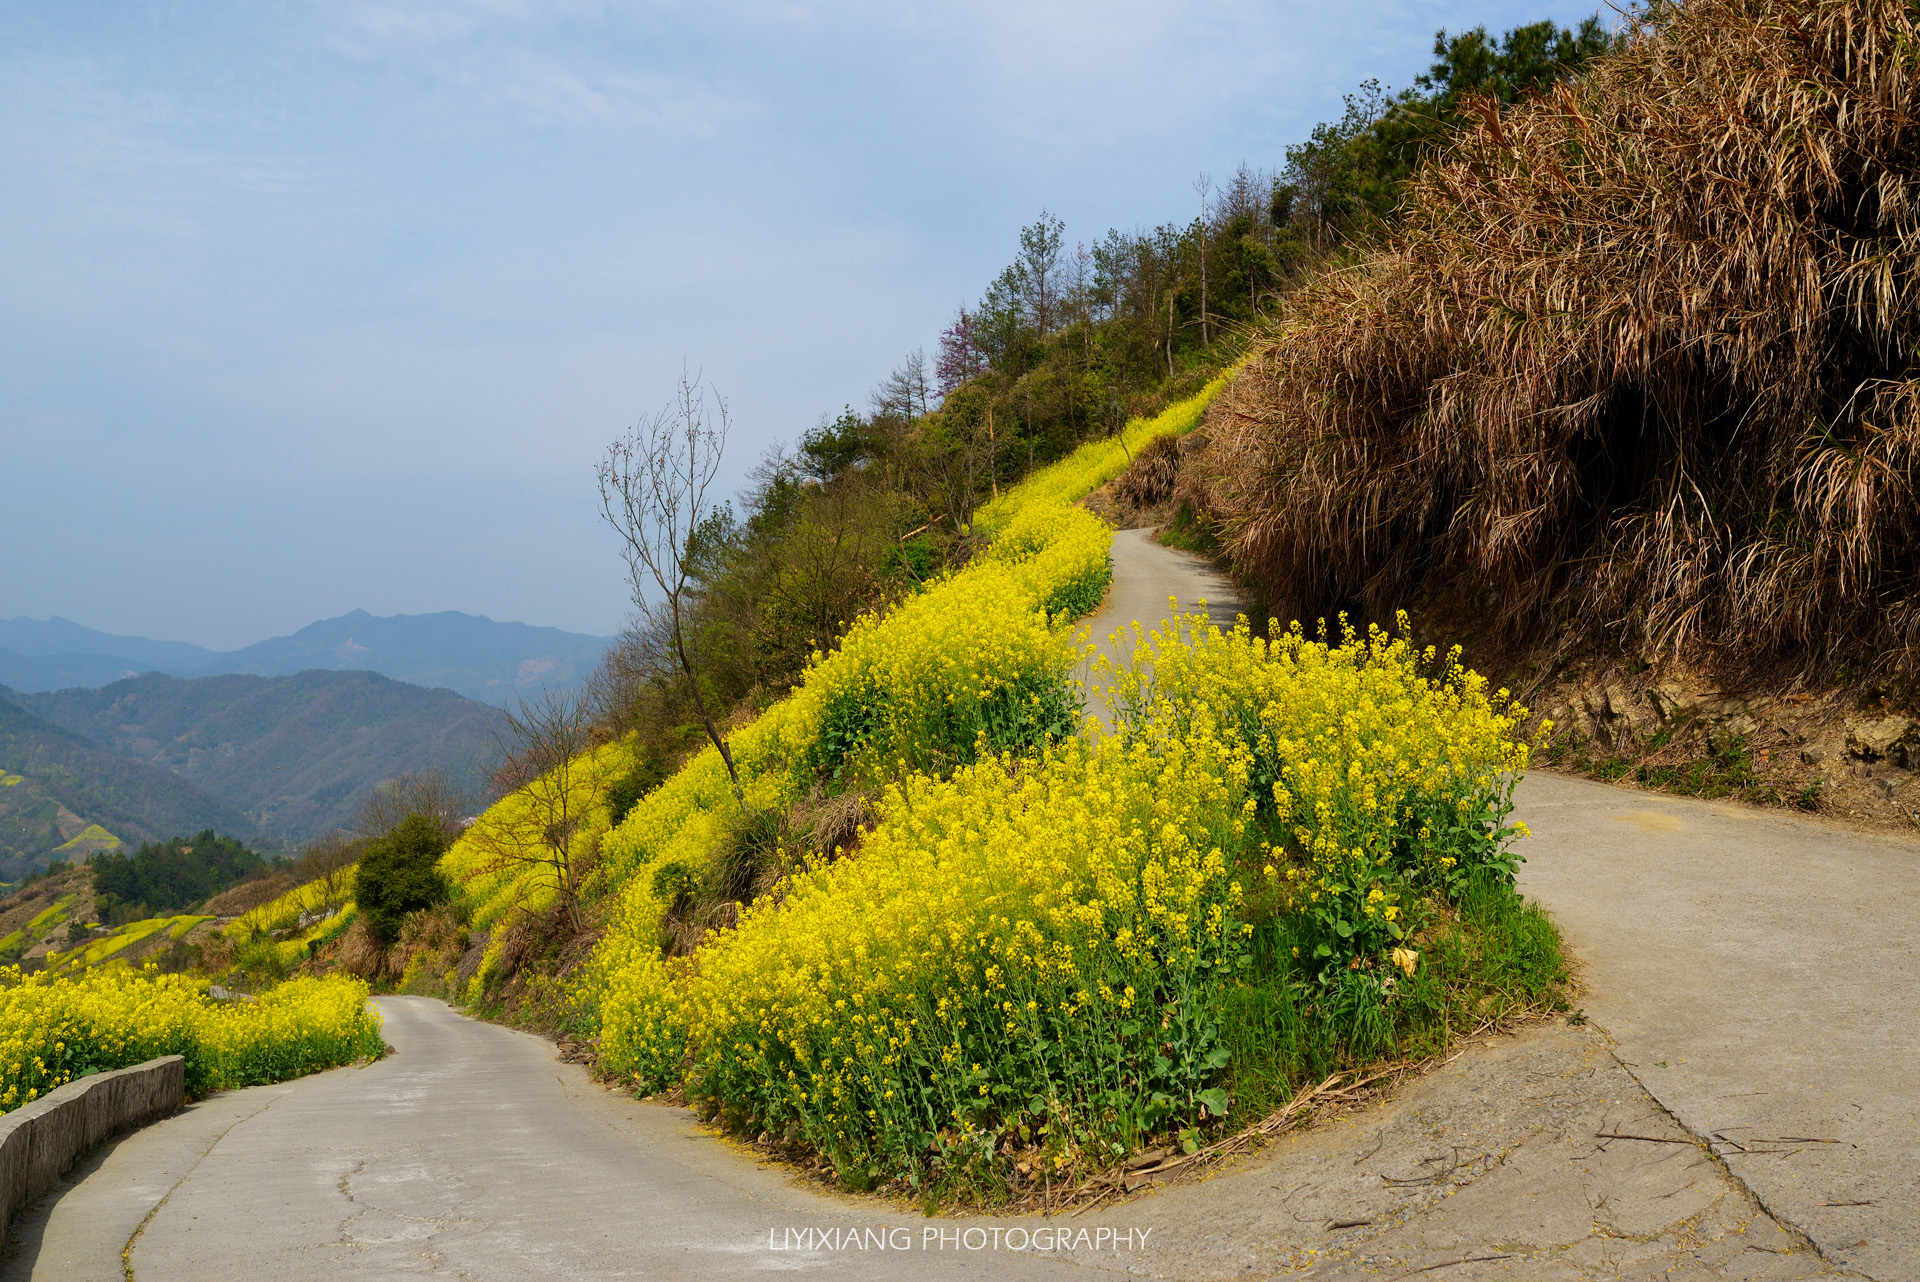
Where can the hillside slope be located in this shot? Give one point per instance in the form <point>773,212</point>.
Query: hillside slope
<point>67,782</point>
<point>297,754</point>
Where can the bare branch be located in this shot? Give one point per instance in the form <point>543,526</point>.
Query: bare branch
<point>654,485</point>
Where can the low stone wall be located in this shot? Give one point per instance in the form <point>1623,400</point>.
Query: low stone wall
<point>41,1141</point>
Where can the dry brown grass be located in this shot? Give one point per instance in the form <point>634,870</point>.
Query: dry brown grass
<point>1638,363</point>
<point>360,954</point>
<point>1150,477</point>
<point>249,895</point>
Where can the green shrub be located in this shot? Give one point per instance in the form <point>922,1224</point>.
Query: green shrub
<point>400,874</point>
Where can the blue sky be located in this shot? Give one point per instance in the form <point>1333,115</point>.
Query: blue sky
<point>320,306</point>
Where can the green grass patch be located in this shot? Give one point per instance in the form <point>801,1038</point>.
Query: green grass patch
<point>1496,956</point>
<point>1189,532</point>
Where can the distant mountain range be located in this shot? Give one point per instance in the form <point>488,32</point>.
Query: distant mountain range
<point>273,761</point>
<point>469,654</point>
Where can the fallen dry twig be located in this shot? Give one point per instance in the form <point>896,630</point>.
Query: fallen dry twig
<point>1447,1264</point>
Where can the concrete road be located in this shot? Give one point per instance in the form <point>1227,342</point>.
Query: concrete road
<point>473,1153</point>
<point>1493,1166</point>
<point>1757,973</point>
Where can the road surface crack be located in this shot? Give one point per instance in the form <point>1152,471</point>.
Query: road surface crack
<point>1708,1146</point>
<point>126,1253</point>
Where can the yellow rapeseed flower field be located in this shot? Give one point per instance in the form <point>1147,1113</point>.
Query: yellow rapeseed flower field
<point>980,660</point>
<point>94,951</point>
<point>1388,769</point>
<point>56,1029</point>
<point>319,895</point>
<point>980,657</point>
<point>1041,940</point>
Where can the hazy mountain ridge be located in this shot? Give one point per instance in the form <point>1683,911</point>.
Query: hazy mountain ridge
<point>469,654</point>
<point>43,638</point>
<point>68,777</point>
<point>297,754</point>
<point>58,671</point>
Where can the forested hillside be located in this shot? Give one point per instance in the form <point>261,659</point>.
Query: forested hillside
<point>67,782</point>
<point>169,876</point>
<point>296,755</point>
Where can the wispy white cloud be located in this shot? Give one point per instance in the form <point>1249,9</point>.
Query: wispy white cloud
<point>565,63</point>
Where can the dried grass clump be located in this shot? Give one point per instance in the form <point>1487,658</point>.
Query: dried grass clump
<point>1638,362</point>
<point>363,956</point>
<point>1150,478</point>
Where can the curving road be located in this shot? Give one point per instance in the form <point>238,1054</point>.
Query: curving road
<point>1757,972</point>
<point>1753,972</point>
<point>469,1153</point>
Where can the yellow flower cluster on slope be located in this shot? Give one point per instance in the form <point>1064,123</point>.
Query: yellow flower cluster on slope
<point>317,896</point>
<point>498,862</point>
<point>1029,940</point>
<point>1094,464</point>
<point>977,654</point>
<point>1045,942</point>
<point>52,915</point>
<point>1046,554</point>
<point>972,660</point>
<point>1389,769</point>
<point>54,1030</point>
<point>100,949</point>
<point>982,658</point>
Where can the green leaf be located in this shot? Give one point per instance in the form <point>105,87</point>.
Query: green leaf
<point>1214,1101</point>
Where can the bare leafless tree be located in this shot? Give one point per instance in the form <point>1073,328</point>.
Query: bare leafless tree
<point>634,680</point>
<point>545,747</point>
<point>654,491</point>
<point>906,393</point>
<point>329,860</point>
<point>1203,186</point>
<point>426,792</point>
